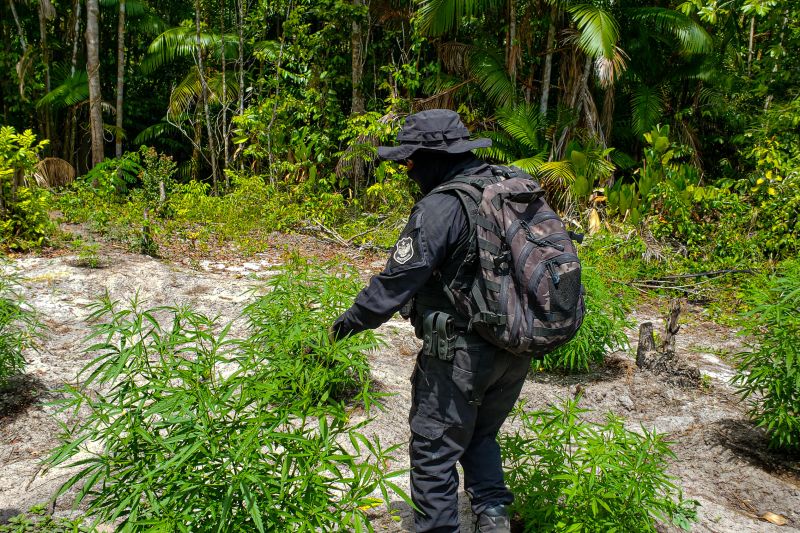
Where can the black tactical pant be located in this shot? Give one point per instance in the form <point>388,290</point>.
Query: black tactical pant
<point>456,412</point>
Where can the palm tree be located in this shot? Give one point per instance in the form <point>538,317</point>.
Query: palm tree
<point>202,86</point>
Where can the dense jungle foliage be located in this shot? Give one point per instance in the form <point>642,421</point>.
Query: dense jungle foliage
<point>679,118</point>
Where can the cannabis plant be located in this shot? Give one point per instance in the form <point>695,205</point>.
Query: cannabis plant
<point>181,428</point>
<point>569,474</point>
<point>768,374</point>
<point>19,327</point>
<point>289,343</point>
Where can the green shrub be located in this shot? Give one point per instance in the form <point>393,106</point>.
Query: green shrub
<point>603,328</point>
<point>713,224</point>
<point>768,375</point>
<point>36,520</point>
<point>156,173</point>
<point>289,337</point>
<point>572,475</point>
<point>19,327</point>
<point>87,253</point>
<point>114,176</point>
<point>195,431</point>
<point>777,202</point>
<point>24,219</point>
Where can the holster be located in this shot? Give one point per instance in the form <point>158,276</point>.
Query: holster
<point>438,335</point>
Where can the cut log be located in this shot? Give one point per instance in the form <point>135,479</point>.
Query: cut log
<point>647,344</point>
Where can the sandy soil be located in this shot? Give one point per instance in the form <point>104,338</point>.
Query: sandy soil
<point>722,460</point>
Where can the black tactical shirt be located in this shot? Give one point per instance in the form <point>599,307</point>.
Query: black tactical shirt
<point>435,227</point>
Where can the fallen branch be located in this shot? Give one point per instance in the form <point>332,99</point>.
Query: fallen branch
<point>323,232</point>
<point>698,275</point>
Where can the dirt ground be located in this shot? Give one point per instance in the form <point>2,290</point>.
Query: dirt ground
<point>722,460</point>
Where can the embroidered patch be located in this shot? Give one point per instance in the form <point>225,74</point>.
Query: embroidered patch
<point>404,250</point>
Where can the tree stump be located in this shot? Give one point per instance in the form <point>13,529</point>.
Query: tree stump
<point>647,344</point>
<point>662,360</point>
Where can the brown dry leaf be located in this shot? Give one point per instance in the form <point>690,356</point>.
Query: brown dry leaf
<point>776,519</point>
<point>594,221</point>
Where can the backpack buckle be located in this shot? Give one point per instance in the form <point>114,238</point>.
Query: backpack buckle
<point>502,259</point>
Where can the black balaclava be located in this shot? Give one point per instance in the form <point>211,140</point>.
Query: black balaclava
<point>431,167</point>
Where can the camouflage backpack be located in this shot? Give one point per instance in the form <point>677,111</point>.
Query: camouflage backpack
<point>527,296</point>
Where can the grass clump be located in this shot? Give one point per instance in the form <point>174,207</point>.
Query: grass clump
<point>569,474</point>
<point>37,520</point>
<point>193,430</point>
<point>768,374</point>
<point>19,327</point>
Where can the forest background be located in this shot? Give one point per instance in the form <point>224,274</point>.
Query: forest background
<point>678,118</point>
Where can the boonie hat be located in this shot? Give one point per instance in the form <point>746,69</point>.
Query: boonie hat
<point>433,129</point>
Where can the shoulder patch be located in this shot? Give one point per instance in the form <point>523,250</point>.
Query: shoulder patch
<point>404,250</point>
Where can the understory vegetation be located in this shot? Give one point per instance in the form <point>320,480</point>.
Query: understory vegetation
<point>768,374</point>
<point>19,326</point>
<point>189,428</point>
<point>569,474</point>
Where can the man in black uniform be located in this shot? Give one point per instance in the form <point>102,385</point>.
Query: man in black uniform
<point>461,398</point>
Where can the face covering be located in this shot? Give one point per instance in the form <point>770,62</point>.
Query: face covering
<point>430,168</point>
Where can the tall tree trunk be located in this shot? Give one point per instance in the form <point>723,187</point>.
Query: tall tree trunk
<point>93,71</point>
<point>76,6</point>
<point>240,63</point>
<point>46,13</point>
<point>70,132</point>
<point>548,60</point>
<point>750,45</point>
<point>768,100</point>
<point>240,26</point>
<point>225,128</point>
<point>196,153</point>
<point>512,46</point>
<point>120,77</point>
<point>204,98</point>
<point>357,106</point>
<point>20,31</point>
<point>607,119</point>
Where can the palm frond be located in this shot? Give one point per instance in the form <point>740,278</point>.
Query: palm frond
<point>693,38</point>
<point>488,69</point>
<point>622,160</point>
<point>525,124</point>
<point>436,17</point>
<point>215,87</point>
<point>609,70</point>
<point>133,8</point>
<point>503,148</point>
<point>454,56</point>
<point>172,43</point>
<point>157,132</point>
<point>532,164</point>
<point>599,31</point>
<point>150,23</point>
<point>184,94</point>
<point>267,50</point>
<point>647,107</point>
<point>557,175</point>
<point>72,91</point>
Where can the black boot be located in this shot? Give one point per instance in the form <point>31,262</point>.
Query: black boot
<point>495,520</point>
